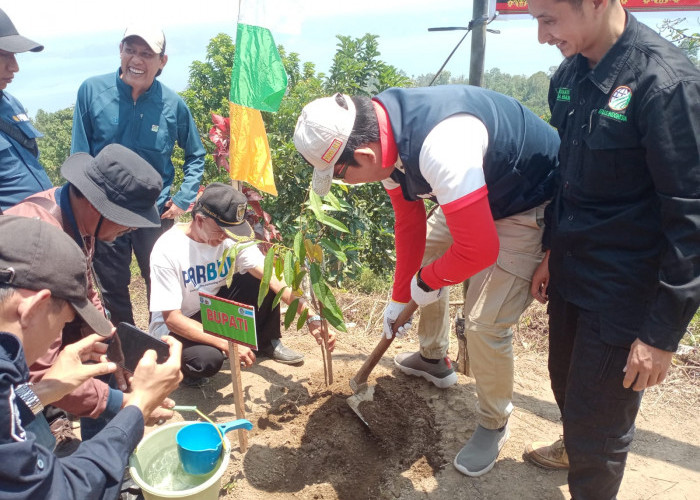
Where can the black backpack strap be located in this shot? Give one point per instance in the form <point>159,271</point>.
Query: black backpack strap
<point>27,143</point>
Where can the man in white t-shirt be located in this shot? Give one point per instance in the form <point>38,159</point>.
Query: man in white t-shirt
<point>186,260</point>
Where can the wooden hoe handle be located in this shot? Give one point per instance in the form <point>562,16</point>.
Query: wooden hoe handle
<point>359,381</point>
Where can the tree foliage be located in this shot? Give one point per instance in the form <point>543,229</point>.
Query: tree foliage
<point>686,41</point>
<point>363,211</point>
<point>55,145</point>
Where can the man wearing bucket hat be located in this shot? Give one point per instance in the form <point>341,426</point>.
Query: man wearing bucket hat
<point>132,108</point>
<point>20,172</point>
<point>489,163</point>
<point>42,287</point>
<point>187,260</point>
<point>105,196</point>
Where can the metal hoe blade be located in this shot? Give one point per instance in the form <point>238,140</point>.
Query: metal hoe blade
<point>362,391</point>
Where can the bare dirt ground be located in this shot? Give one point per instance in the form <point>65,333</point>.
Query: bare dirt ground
<point>308,444</point>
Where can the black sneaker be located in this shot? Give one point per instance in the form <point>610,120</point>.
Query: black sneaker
<point>441,373</point>
<point>283,354</point>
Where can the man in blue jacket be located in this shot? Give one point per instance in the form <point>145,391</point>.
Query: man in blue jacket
<point>40,291</point>
<point>21,175</point>
<point>132,108</point>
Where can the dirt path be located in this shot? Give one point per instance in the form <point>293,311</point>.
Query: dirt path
<point>308,444</point>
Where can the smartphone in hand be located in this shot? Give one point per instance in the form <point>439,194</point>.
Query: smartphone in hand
<point>134,343</point>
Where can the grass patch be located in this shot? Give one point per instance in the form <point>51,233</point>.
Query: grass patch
<point>369,282</point>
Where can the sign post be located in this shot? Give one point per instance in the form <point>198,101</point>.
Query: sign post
<point>236,323</point>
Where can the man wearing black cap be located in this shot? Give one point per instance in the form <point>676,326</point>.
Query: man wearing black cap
<point>132,108</point>
<point>105,197</point>
<point>187,260</point>
<point>42,287</point>
<point>20,172</point>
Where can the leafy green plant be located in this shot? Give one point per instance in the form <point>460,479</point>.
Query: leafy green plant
<point>305,259</point>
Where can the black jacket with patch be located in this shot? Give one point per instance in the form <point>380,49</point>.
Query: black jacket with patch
<point>624,226</point>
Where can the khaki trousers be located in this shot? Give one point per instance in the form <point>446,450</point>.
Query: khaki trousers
<point>494,299</point>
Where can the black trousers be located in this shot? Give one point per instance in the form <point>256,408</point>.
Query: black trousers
<point>112,261</point>
<point>202,360</point>
<point>597,411</point>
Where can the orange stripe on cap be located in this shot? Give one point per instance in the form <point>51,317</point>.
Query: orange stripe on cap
<point>332,150</point>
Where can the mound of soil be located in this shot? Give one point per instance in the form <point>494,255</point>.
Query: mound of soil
<point>359,461</point>
<point>308,444</point>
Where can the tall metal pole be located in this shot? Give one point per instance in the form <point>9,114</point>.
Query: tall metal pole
<point>476,61</point>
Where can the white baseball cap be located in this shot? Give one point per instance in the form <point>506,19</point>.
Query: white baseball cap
<point>321,135</point>
<point>152,35</point>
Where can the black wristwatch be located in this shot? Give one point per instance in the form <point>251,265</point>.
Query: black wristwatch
<point>27,394</point>
<point>422,284</point>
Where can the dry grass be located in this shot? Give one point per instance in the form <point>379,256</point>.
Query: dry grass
<point>364,314</point>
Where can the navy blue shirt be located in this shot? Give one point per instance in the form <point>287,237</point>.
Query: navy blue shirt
<point>21,174</point>
<point>624,225</point>
<point>30,471</point>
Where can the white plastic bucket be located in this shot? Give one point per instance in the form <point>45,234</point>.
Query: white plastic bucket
<point>159,442</point>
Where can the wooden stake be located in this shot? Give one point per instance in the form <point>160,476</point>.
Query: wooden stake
<point>327,355</point>
<point>235,361</point>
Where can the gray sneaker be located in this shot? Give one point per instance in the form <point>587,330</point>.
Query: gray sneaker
<point>283,354</point>
<point>481,451</point>
<point>441,373</point>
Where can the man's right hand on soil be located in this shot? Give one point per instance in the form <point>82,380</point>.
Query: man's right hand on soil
<point>392,312</point>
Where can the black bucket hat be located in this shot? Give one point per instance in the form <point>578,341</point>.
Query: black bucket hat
<point>13,42</point>
<point>37,255</point>
<point>120,184</point>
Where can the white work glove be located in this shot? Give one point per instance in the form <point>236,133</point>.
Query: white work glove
<point>421,296</point>
<point>392,312</point>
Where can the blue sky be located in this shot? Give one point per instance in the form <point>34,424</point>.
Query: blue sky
<point>81,38</point>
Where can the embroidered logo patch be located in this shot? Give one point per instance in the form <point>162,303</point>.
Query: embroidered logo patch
<point>332,150</point>
<point>563,94</point>
<point>154,128</point>
<point>620,98</point>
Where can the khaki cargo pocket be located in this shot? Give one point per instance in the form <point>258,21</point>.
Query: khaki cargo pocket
<point>520,264</point>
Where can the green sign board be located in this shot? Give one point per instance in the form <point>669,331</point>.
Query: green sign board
<point>229,320</point>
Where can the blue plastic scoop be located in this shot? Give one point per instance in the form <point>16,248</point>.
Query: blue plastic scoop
<point>199,445</point>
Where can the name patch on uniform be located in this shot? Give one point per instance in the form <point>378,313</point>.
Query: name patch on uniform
<point>613,115</point>
<point>563,94</point>
<point>332,150</point>
<point>620,98</point>
<point>154,128</point>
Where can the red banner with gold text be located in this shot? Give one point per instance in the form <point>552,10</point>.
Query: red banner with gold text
<point>520,6</point>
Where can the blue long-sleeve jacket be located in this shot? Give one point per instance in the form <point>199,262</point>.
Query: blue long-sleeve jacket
<point>105,113</point>
<point>21,174</point>
<point>30,471</point>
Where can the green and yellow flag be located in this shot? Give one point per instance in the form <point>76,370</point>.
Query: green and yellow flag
<point>258,83</point>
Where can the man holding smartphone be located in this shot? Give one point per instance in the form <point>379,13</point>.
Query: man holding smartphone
<point>40,291</point>
<point>187,260</point>
<point>105,197</point>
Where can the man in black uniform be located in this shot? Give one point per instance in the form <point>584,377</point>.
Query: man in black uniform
<point>623,230</point>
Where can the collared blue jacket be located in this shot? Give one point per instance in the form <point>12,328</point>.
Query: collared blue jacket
<point>105,113</point>
<point>21,174</point>
<point>30,471</point>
